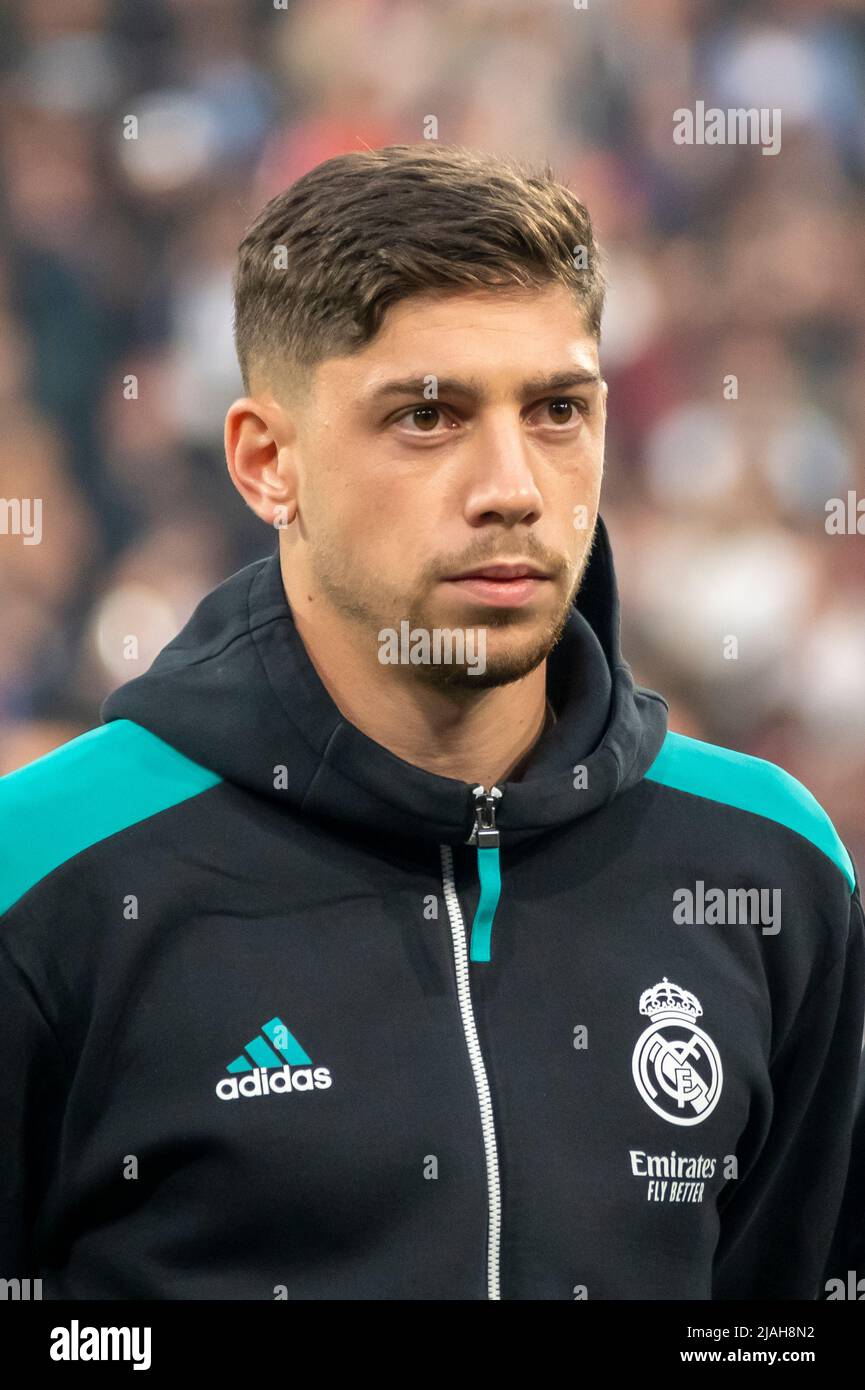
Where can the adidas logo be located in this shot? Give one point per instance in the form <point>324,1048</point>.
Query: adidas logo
<point>276,1069</point>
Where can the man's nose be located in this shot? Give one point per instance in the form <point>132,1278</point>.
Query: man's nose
<point>502,484</point>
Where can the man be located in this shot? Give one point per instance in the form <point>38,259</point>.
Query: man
<point>383,942</point>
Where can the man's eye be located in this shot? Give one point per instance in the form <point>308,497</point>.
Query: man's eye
<point>425,417</point>
<point>570,403</point>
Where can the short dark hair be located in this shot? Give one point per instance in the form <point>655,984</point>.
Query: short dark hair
<point>325,259</point>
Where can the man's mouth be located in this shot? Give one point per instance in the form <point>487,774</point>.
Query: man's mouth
<point>502,585</point>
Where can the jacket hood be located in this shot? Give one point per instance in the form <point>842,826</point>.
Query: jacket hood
<point>237,692</point>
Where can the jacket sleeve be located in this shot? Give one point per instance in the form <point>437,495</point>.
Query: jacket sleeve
<point>31,1090</point>
<point>782,1228</point>
<point>848,1245</point>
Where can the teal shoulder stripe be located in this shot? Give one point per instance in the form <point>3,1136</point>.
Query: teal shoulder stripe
<point>97,784</point>
<point>749,784</point>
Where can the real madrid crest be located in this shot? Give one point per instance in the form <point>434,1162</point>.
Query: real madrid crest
<point>676,1065</point>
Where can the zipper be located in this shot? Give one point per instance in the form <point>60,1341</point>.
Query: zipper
<point>486,837</point>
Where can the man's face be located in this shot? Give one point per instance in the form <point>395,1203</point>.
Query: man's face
<point>401,491</point>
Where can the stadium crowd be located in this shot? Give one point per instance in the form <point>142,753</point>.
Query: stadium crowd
<point>138,138</point>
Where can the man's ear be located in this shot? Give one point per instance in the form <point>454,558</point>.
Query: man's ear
<point>259,451</point>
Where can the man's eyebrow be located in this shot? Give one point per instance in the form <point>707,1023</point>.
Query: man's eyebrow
<point>472,389</point>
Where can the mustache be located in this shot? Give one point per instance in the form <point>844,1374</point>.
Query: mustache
<point>530,551</point>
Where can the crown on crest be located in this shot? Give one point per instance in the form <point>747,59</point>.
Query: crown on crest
<point>667,998</point>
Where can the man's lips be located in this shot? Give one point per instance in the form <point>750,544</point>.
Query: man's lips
<point>503,586</point>
<point>503,571</point>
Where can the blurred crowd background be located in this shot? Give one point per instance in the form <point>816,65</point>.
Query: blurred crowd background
<point>117,363</point>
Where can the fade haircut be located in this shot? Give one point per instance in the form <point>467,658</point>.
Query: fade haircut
<point>324,260</point>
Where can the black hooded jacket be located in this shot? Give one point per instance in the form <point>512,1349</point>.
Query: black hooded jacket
<point>284,1016</point>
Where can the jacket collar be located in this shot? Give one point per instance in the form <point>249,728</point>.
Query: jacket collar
<point>237,692</point>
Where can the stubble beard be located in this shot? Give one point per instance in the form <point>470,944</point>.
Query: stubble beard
<point>354,596</point>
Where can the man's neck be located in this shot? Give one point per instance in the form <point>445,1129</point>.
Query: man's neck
<point>474,736</point>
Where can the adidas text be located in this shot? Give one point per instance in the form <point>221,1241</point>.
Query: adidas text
<point>261,1082</point>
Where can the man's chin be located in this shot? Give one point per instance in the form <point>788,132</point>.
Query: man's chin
<point>494,658</point>
<point>467,678</point>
